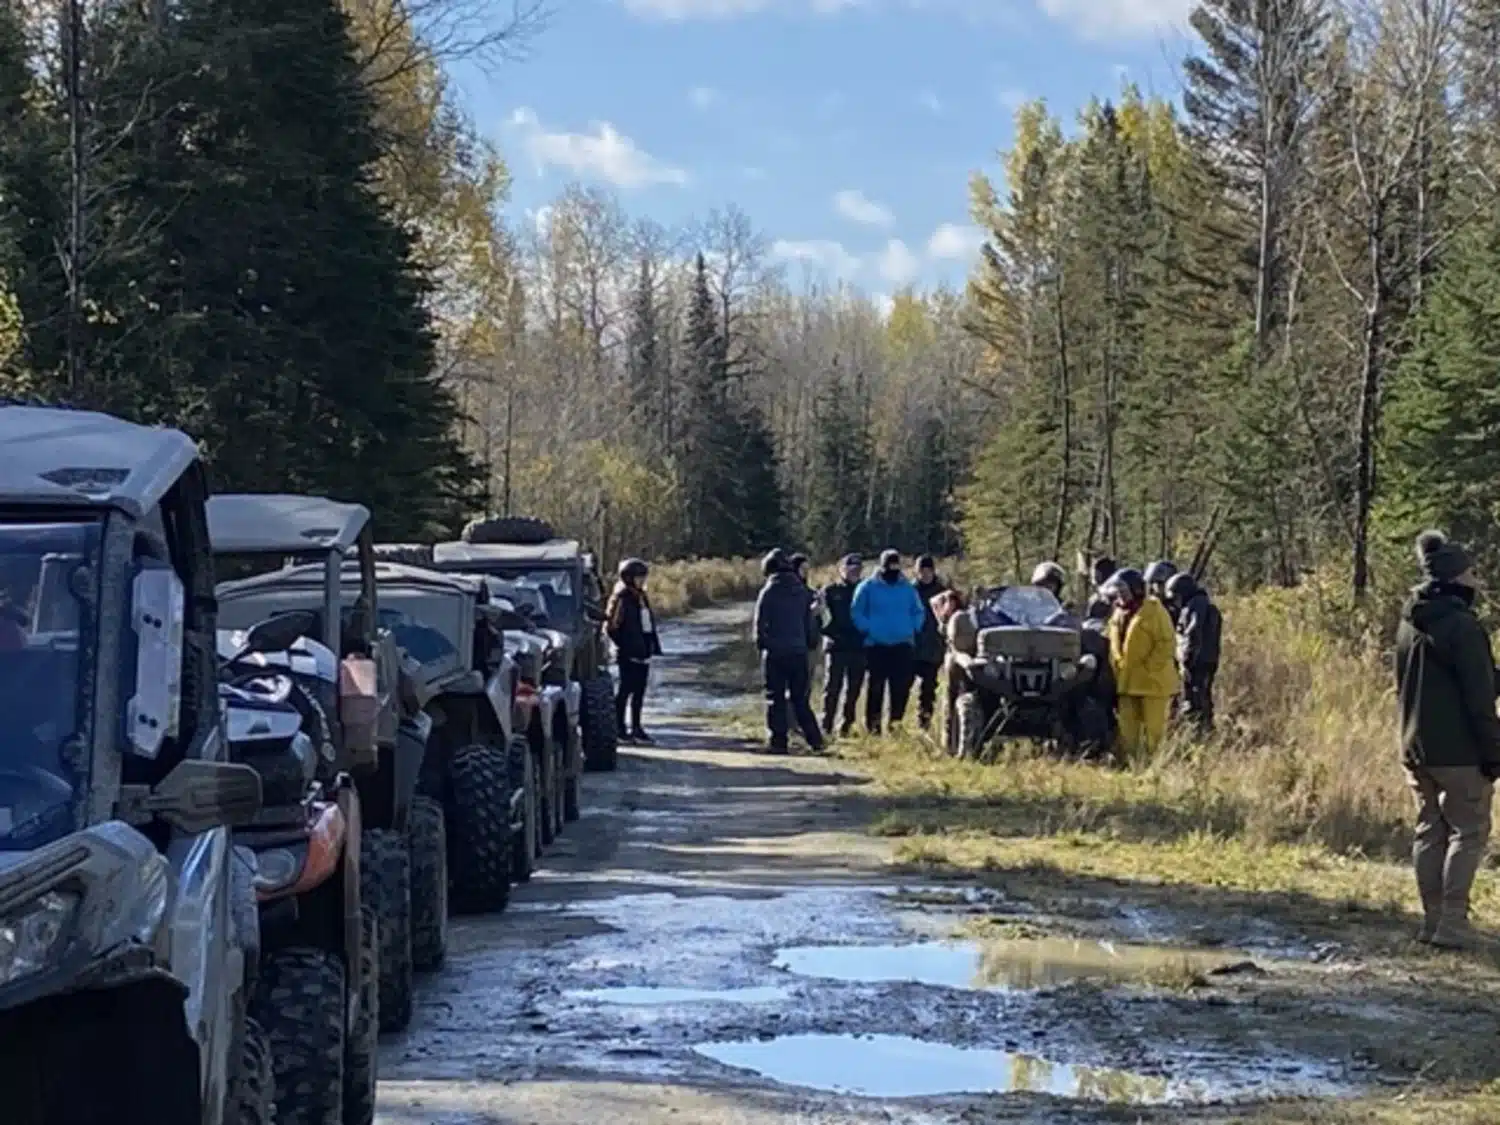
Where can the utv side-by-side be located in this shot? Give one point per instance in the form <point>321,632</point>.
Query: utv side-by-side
<point>529,554</point>
<point>127,924</point>
<point>377,737</point>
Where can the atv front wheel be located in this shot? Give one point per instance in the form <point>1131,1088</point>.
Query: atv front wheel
<point>572,799</point>
<point>601,741</point>
<point>252,1100</point>
<point>299,1000</point>
<point>427,844</point>
<point>361,1050</point>
<point>385,878</point>
<point>523,844</point>
<point>479,856</point>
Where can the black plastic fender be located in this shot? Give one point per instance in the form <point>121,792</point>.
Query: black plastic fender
<point>348,802</point>
<point>411,749</point>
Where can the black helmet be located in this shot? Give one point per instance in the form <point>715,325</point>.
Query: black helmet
<point>1159,572</point>
<point>797,560</point>
<point>1127,581</point>
<point>774,562</point>
<point>1104,569</point>
<point>633,568</point>
<point>1181,588</point>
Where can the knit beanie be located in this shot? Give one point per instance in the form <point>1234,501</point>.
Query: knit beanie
<point>1441,559</point>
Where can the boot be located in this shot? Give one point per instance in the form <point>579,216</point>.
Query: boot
<point>1454,933</point>
<point>640,736</point>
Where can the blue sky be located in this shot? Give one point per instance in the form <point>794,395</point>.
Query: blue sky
<point>846,129</point>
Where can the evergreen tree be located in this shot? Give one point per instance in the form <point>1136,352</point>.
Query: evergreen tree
<point>842,462</point>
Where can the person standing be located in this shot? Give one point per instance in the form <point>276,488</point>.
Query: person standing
<point>1100,603</point>
<point>844,647</point>
<point>928,656</point>
<point>1450,735</point>
<point>1143,655</point>
<point>632,628</point>
<point>889,615</point>
<point>785,633</point>
<point>1200,628</point>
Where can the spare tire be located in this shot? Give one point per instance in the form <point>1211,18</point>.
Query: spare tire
<point>519,530</point>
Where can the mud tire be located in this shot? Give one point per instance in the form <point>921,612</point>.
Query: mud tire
<point>479,845</point>
<point>523,846</point>
<point>299,1001</point>
<point>572,799</point>
<point>601,741</point>
<point>546,802</point>
<point>385,878</point>
<point>427,844</point>
<point>968,725</point>
<point>252,1100</point>
<point>519,530</point>
<point>361,1048</point>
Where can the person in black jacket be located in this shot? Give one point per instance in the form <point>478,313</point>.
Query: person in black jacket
<point>785,632</point>
<point>843,646</point>
<point>1099,604</point>
<point>1200,628</point>
<point>930,647</point>
<point>632,627</point>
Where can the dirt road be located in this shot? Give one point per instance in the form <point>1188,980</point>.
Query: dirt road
<point>717,942</point>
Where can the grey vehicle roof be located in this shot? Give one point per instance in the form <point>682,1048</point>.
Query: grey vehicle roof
<point>398,574</point>
<point>386,574</point>
<point>246,523</point>
<point>80,458</point>
<point>553,551</point>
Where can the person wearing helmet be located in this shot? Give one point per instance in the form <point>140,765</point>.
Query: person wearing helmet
<point>928,655</point>
<point>785,633</point>
<point>1101,605</point>
<point>1199,630</point>
<point>843,647</point>
<point>889,615</point>
<point>1157,576</point>
<point>1143,656</point>
<point>631,627</point>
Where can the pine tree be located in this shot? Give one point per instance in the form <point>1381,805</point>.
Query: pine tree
<point>840,472</point>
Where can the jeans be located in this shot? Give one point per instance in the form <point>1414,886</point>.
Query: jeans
<point>787,678</point>
<point>843,674</point>
<point>634,675</point>
<point>888,667</point>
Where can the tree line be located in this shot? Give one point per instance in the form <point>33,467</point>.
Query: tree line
<point>1259,330</point>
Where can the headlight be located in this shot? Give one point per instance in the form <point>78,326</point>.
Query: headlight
<point>29,940</point>
<point>276,868</point>
<point>1067,669</point>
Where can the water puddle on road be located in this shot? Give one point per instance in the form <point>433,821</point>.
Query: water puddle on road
<point>654,997</point>
<point>894,1066</point>
<point>1021,963</point>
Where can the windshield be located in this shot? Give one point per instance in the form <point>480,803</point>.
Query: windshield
<point>552,586</point>
<point>44,636</point>
<point>1031,606</point>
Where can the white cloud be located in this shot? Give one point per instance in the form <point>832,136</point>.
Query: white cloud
<point>897,264</point>
<point>820,253</point>
<point>953,243</point>
<point>930,101</point>
<point>1102,20</point>
<point>703,96</point>
<point>855,206</point>
<point>604,153</point>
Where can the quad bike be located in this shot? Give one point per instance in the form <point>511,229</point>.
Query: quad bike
<point>127,937</point>
<point>527,553</point>
<point>1016,669</point>
<point>319,986</point>
<point>379,733</point>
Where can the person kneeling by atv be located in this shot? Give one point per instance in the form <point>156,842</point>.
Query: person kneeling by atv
<point>632,629</point>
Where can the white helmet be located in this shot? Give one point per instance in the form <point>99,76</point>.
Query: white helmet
<point>1049,572</point>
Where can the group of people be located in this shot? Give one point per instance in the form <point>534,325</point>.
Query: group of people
<point>877,632</point>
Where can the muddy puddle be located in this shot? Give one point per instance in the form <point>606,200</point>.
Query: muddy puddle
<point>651,997</point>
<point>683,680</point>
<point>1022,963</point>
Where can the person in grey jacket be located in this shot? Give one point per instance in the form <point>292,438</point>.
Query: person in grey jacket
<point>785,633</point>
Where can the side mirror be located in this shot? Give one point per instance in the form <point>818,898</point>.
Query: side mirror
<point>196,796</point>
<point>279,633</point>
<point>156,615</point>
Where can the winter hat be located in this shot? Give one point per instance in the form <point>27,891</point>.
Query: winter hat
<point>889,558</point>
<point>927,562</point>
<point>1441,559</point>
<point>852,559</point>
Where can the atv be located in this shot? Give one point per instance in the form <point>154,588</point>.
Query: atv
<point>379,732</point>
<point>528,553</point>
<point>127,920</point>
<point>1015,669</point>
<point>320,990</point>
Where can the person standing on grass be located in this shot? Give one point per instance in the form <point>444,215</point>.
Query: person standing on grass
<point>785,632</point>
<point>632,628</point>
<point>889,615</point>
<point>1101,605</point>
<point>1199,629</point>
<point>1450,735</point>
<point>843,646</point>
<point>1143,656</point>
<point>929,651</point>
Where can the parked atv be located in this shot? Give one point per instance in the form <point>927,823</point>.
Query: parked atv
<point>319,993</point>
<point>127,936</point>
<point>528,553</point>
<point>380,734</point>
<point>1015,670</point>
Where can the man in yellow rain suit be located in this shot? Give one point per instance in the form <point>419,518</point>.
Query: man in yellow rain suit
<point>1143,653</point>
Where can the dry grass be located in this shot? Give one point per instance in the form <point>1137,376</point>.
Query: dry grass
<point>688,584</point>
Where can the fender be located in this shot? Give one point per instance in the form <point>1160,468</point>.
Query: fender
<point>499,690</point>
<point>348,802</point>
<point>411,748</point>
<point>552,698</point>
<point>246,916</point>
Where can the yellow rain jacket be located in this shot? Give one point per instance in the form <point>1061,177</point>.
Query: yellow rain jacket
<point>1143,651</point>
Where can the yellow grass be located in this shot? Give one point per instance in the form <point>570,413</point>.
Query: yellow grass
<point>688,584</point>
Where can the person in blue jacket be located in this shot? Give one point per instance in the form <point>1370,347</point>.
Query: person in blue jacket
<point>888,613</point>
